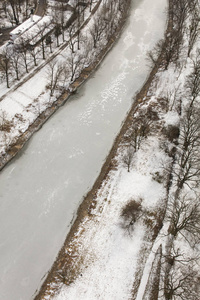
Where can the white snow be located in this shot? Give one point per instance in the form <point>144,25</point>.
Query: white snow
<point>24,26</point>
<point>110,253</point>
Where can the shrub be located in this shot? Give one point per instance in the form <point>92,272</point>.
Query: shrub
<point>131,213</point>
<point>171,132</point>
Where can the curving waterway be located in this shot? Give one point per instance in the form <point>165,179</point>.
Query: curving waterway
<point>41,189</point>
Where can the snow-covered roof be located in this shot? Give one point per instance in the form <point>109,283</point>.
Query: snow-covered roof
<point>25,25</point>
<point>33,32</point>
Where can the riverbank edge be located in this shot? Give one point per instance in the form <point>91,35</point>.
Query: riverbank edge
<point>85,74</point>
<point>108,165</point>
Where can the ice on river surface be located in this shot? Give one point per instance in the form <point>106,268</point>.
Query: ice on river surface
<point>41,189</point>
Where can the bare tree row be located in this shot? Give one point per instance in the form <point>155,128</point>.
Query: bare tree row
<point>168,50</point>
<point>180,272</point>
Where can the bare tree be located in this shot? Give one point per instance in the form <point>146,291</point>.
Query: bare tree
<point>42,31</point>
<point>5,7</point>
<point>154,54</point>
<point>98,29</point>
<point>121,5</point>
<point>140,129</point>
<point>180,284</point>
<point>79,7</point>
<point>57,32</point>
<point>15,10</point>
<point>181,13</point>
<point>62,21</point>
<point>23,49</point>
<point>193,30</point>
<point>171,45</point>
<point>54,73</point>
<point>59,19</point>
<point>188,157</point>
<point>78,23</point>
<point>184,216</point>
<point>128,157</point>
<point>34,51</point>
<point>177,256</point>
<point>192,5</point>
<point>15,63</point>
<point>5,63</point>
<point>75,64</point>
<point>72,38</point>
<point>193,80</point>
<point>110,12</point>
<point>174,98</point>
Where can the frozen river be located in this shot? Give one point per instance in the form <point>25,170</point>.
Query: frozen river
<point>42,188</point>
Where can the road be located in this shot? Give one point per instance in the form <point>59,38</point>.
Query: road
<point>42,188</point>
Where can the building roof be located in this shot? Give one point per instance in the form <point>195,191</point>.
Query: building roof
<point>25,25</point>
<point>32,34</point>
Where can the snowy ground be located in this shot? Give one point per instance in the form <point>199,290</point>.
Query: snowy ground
<point>110,253</point>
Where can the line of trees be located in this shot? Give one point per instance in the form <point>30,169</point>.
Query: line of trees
<point>91,42</point>
<point>15,59</point>
<point>174,44</point>
<point>179,277</point>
